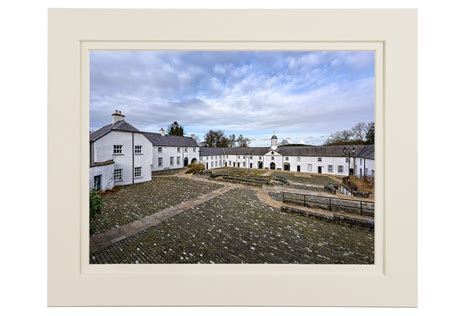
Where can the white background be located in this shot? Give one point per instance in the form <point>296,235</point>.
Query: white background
<point>446,119</point>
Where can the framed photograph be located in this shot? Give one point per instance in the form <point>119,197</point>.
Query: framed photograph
<point>232,157</point>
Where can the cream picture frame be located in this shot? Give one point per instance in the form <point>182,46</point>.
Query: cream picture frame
<point>391,281</point>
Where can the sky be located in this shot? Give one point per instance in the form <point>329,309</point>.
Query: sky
<point>301,96</point>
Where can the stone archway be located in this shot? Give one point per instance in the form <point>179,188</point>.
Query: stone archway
<point>272,166</point>
<point>193,161</point>
<point>286,166</point>
<point>260,165</point>
<point>185,161</point>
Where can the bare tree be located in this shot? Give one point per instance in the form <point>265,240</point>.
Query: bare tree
<point>243,141</point>
<point>359,131</point>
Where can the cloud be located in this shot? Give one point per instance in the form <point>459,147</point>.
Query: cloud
<point>300,95</point>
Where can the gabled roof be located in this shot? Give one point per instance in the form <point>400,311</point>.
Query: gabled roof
<point>170,140</point>
<point>118,126</point>
<point>367,152</point>
<point>212,151</point>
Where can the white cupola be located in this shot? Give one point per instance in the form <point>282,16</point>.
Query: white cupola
<point>274,142</point>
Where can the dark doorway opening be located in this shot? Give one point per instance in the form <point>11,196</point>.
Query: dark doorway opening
<point>272,165</point>
<point>260,165</point>
<point>320,169</point>
<point>185,161</point>
<point>98,182</point>
<point>286,166</point>
<point>251,165</point>
<point>194,160</point>
<point>298,168</point>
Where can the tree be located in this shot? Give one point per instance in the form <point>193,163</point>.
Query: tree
<point>215,138</point>
<point>371,133</point>
<point>283,142</point>
<point>243,141</point>
<point>175,129</point>
<point>339,137</point>
<point>359,131</point>
<point>231,139</point>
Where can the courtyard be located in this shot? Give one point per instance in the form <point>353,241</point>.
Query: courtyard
<point>233,225</point>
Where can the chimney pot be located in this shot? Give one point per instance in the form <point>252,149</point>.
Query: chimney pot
<point>162,132</point>
<point>117,117</point>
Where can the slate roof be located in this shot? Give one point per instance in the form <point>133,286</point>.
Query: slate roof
<point>211,151</point>
<point>316,151</point>
<point>170,140</point>
<point>367,152</point>
<point>118,126</point>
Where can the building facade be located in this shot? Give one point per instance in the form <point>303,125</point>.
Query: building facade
<point>358,160</point>
<point>121,154</point>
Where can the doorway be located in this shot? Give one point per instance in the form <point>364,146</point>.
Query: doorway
<point>320,169</point>
<point>185,161</point>
<point>272,165</point>
<point>260,165</point>
<point>98,182</point>
<point>298,168</point>
<point>286,166</point>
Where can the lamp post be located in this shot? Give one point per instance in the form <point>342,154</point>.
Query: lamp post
<point>349,153</point>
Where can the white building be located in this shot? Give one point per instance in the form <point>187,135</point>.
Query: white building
<point>336,160</point>
<point>119,154</point>
<point>172,152</point>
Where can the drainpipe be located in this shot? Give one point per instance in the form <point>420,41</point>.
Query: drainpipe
<point>133,158</point>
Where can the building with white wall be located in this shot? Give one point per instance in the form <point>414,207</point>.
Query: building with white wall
<point>335,160</point>
<point>119,154</point>
<point>172,152</point>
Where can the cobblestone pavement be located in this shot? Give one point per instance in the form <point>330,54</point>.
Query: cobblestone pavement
<point>237,228</point>
<point>126,204</point>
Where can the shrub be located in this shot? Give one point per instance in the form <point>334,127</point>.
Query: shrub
<point>195,168</point>
<point>95,203</point>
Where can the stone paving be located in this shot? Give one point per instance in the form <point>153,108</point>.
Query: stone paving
<point>236,227</point>
<point>133,202</point>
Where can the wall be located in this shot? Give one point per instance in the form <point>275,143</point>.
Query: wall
<point>168,152</point>
<point>107,173</point>
<point>103,151</point>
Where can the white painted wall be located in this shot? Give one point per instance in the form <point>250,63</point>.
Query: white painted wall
<point>103,151</point>
<point>107,179</point>
<point>167,152</point>
<point>365,167</point>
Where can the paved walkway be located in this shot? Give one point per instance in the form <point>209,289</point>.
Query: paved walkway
<point>100,241</point>
<point>114,235</point>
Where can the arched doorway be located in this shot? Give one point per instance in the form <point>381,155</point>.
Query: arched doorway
<point>260,165</point>
<point>193,161</point>
<point>185,161</point>
<point>272,165</point>
<point>286,166</point>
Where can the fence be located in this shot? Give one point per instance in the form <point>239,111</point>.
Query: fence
<point>330,203</point>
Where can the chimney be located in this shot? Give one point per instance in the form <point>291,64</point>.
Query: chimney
<point>193,136</point>
<point>162,132</point>
<point>117,117</point>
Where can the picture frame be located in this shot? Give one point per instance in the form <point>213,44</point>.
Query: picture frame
<point>391,281</point>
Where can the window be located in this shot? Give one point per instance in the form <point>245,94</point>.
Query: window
<point>251,157</point>
<point>287,158</point>
<point>340,169</point>
<point>160,161</point>
<point>373,173</point>
<point>320,159</point>
<point>227,156</point>
<point>244,164</point>
<point>238,157</point>
<point>138,149</point>
<point>298,159</point>
<point>185,149</point>
<point>330,168</point>
<point>207,157</point>
<point>138,172</point>
<point>160,149</point>
<point>178,160</point>
<point>194,149</point>
<point>260,157</point>
<point>118,175</point>
<point>117,149</point>
<point>310,167</point>
<point>347,159</point>
<point>171,161</point>
<point>273,158</point>
<point>178,149</point>
<point>212,164</point>
<point>360,160</point>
